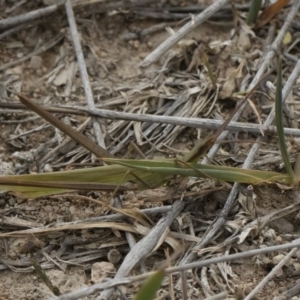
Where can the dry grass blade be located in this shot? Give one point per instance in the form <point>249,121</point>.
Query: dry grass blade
<point>204,145</point>
<point>78,226</point>
<point>76,136</point>
<point>279,123</point>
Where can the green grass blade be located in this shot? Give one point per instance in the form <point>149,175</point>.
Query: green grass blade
<point>199,150</point>
<point>253,11</point>
<point>297,171</point>
<point>279,123</point>
<point>150,287</point>
<point>209,69</point>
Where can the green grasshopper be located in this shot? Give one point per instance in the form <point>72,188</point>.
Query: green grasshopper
<point>145,173</point>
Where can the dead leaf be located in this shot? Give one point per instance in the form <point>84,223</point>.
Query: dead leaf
<point>258,117</point>
<point>270,12</point>
<point>287,38</point>
<point>230,85</point>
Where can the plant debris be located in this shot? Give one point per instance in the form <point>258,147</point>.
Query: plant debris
<point>103,64</point>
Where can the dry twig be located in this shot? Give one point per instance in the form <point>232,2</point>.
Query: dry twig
<point>180,34</point>
<point>187,122</point>
<point>83,72</point>
<point>18,20</point>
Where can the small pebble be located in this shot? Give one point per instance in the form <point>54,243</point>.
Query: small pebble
<point>30,207</point>
<point>48,208</point>
<point>48,168</point>
<point>298,254</point>
<point>142,55</point>
<point>36,62</point>
<point>12,201</point>
<point>20,200</point>
<point>282,225</point>
<point>149,45</point>
<point>51,217</point>
<point>55,208</point>
<point>183,139</point>
<point>72,209</point>
<point>271,283</point>
<point>134,44</point>
<point>101,270</point>
<point>103,54</point>
<point>88,211</point>
<point>39,73</point>
<point>30,203</point>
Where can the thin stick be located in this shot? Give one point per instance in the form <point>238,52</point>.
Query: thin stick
<point>271,274</point>
<point>182,32</point>
<point>35,14</point>
<point>289,294</point>
<point>188,122</point>
<point>148,30</point>
<point>119,216</point>
<point>83,72</point>
<point>129,236</point>
<point>183,285</point>
<point>10,31</point>
<point>20,19</point>
<point>218,296</point>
